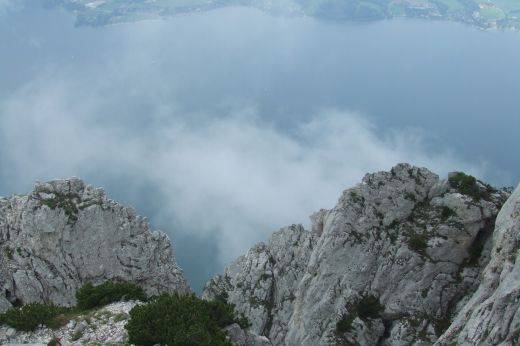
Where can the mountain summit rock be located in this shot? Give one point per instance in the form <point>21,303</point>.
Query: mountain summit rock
<point>66,233</point>
<point>404,258</point>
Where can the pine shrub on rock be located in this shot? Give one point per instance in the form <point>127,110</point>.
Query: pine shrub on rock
<point>367,308</point>
<point>181,320</point>
<point>468,185</point>
<point>224,313</point>
<point>90,296</point>
<point>344,325</point>
<point>28,317</point>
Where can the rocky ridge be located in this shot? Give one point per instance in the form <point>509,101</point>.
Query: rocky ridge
<point>404,258</point>
<point>66,233</point>
<point>104,326</point>
<point>492,315</point>
<point>393,263</point>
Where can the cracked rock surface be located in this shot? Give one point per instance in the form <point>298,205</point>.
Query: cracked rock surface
<point>492,315</point>
<point>262,284</point>
<point>66,233</point>
<point>393,263</point>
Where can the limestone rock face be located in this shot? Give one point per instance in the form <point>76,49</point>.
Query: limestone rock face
<point>492,315</point>
<point>241,337</point>
<point>65,234</point>
<point>262,283</point>
<point>390,264</point>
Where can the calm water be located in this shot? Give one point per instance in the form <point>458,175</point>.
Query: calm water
<point>458,86</point>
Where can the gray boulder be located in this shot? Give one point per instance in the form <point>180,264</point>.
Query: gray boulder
<point>242,337</point>
<point>66,233</point>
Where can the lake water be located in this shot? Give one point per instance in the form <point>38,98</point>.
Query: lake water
<point>456,85</point>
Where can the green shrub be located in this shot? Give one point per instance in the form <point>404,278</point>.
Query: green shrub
<point>410,196</point>
<point>440,325</point>
<point>64,202</point>
<point>345,323</point>
<point>8,253</point>
<point>447,213</point>
<point>90,296</point>
<point>76,336</point>
<point>367,308</point>
<point>181,320</point>
<point>467,185</point>
<point>30,316</point>
<point>356,198</point>
<point>418,242</point>
<point>224,314</point>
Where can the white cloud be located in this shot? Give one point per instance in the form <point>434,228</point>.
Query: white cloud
<point>235,176</point>
<point>6,5</point>
<point>116,111</point>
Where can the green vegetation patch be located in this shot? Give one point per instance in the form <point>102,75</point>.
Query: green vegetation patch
<point>492,13</point>
<point>410,196</point>
<point>501,13</point>
<point>356,198</point>
<point>76,336</point>
<point>344,325</point>
<point>181,320</point>
<point>507,5</point>
<point>64,202</point>
<point>467,185</point>
<point>8,252</point>
<point>446,213</point>
<point>440,325</point>
<point>28,317</point>
<point>418,242</point>
<point>451,5</point>
<point>90,296</point>
<point>367,308</point>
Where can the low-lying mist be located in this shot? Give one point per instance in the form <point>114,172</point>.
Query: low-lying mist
<point>222,135</point>
<point>231,178</point>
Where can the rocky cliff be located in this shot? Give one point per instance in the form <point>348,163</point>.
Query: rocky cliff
<point>66,233</point>
<point>404,258</point>
<point>398,259</point>
<point>492,315</point>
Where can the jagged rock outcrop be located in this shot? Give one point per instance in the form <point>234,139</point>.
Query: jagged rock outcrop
<point>391,264</point>
<point>242,337</point>
<point>263,283</point>
<point>492,315</point>
<point>66,233</point>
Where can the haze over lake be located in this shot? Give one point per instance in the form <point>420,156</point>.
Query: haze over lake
<point>229,124</point>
